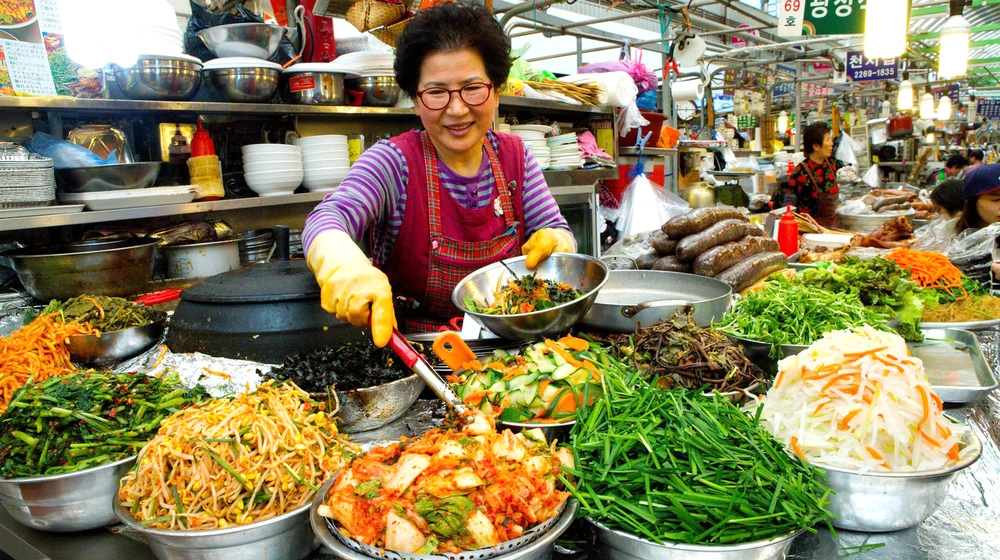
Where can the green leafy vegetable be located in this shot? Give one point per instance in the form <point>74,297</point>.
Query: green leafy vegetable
<point>430,545</point>
<point>368,490</point>
<point>446,517</point>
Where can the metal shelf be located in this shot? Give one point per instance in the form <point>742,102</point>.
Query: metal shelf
<point>656,152</point>
<point>573,177</point>
<point>511,102</point>
<point>200,107</point>
<point>87,217</point>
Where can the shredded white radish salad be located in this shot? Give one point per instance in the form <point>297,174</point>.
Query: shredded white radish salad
<point>856,399</point>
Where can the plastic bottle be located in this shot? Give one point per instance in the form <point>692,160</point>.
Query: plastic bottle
<point>201,143</point>
<point>788,233</point>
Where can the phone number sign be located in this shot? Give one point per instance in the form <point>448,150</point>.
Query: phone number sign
<point>861,69</point>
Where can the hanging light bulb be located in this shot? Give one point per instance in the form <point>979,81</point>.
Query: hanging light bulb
<point>782,122</point>
<point>929,139</point>
<point>944,108</point>
<point>886,110</point>
<point>927,104</point>
<point>971,110</point>
<point>904,102</point>
<point>953,59</point>
<point>886,22</point>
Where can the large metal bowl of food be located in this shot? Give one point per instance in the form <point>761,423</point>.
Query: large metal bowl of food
<point>584,273</point>
<point>371,408</point>
<point>285,537</point>
<point>114,346</point>
<point>760,352</point>
<point>255,40</point>
<point>160,78</point>
<point>65,503</point>
<point>539,549</point>
<point>243,80</point>
<point>377,91</point>
<point>112,177</point>
<point>891,501</point>
<point>619,545</point>
<point>104,267</point>
<point>868,223</point>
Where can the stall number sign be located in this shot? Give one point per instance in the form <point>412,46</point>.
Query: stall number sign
<point>822,17</point>
<point>988,108</point>
<point>861,69</point>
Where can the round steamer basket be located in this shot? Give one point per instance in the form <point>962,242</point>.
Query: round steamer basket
<point>535,544</point>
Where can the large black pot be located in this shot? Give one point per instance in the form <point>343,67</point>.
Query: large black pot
<point>264,312</point>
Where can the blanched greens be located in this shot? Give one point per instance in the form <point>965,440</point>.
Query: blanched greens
<point>524,295</point>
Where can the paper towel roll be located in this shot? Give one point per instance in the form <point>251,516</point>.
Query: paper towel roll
<point>687,90</point>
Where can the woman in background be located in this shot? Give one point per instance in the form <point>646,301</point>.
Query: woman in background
<point>812,186</point>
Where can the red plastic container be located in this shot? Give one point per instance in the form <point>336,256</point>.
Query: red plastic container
<point>655,124</point>
<point>201,143</point>
<point>788,233</point>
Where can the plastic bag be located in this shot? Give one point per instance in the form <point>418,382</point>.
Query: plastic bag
<point>646,206</point>
<point>973,243</point>
<point>203,18</point>
<point>873,178</point>
<point>847,152</point>
<point>647,100</point>
<point>66,154</point>
<point>616,88</point>
<point>935,235</point>
<point>637,71</point>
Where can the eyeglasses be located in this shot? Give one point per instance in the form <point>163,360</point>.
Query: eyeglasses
<point>473,95</point>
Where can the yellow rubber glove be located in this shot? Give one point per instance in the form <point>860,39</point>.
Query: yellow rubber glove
<point>351,288</point>
<point>544,242</point>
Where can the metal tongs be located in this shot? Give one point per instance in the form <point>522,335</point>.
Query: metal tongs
<point>419,366</point>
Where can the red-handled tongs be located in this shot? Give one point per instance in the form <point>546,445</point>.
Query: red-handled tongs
<point>159,297</point>
<point>419,365</point>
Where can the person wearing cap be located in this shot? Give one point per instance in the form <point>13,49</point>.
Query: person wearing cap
<point>441,202</point>
<point>982,201</point>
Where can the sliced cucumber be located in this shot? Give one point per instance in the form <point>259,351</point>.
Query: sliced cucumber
<point>563,371</point>
<point>549,392</point>
<point>485,406</point>
<point>580,376</point>
<point>500,353</point>
<point>498,387</point>
<point>558,359</point>
<point>524,379</point>
<point>524,395</point>
<point>544,365</point>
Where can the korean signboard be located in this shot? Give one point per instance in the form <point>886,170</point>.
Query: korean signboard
<point>861,69</point>
<point>988,108</point>
<point>821,17</point>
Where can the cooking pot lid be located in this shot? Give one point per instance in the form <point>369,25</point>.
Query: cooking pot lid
<point>266,282</point>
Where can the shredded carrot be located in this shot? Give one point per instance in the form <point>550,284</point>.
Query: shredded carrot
<point>797,449</point>
<point>930,440</point>
<point>930,270</point>
<point>836,379</point>
<point>875,454</point>
<point>38,349</point>
<point>937,401</point>
<point>820,407</point>
<point>953,452</point>
<point>865,352</point>
<point>927,408</point>
<point>846,420</point>
<point>945,430</point>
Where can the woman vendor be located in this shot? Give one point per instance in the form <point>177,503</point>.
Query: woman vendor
<point>440,202</point>
<point>982,201</point>
<point>812,186</point>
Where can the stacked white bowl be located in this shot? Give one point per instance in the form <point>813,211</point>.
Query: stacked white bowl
<point>159,33</point>
<point>368,64</point>
<point>272,169</point>
<point>534,137</point>
<point>565,152</point>
<point>325,161</point>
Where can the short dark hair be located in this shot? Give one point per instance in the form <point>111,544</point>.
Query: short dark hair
<point>977,155</point>
<point>451,27</point>
<point>956,160</point>
<point>813,135</point>
<point>970,216</point>
<point>948,195</point>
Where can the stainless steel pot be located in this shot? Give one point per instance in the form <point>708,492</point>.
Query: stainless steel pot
<point>160,78</point>
<point>115,346</point>
<point>244,85</point>
<point>65,502</point>
<point>315,87</point>
<point>634,297</point>
<point>618,545</point>
<point>377,91</point>
<point>104,267</point>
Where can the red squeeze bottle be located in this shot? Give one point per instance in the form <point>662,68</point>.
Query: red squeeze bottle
<point>788,233</point>
<point>201,143</point>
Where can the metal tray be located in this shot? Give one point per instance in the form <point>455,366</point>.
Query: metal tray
<point>955,365</point>
<point>968,326</point>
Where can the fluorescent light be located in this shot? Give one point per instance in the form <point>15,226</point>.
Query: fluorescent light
<point>782,122</point>
<point>904,101</point>
<point>953,57</point>
<point>927,110</point>
<point>944,108</point>
<point>886,23</point>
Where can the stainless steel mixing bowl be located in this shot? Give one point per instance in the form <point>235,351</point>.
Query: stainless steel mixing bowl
<point>113,177</point>
<point>65,502</point>
<point>286,537</point>
<point>618,545</point>
<point>370,408</point>
<point>254,40</point>
<point>103,267</point>
<point>378,91</point>
<point>160,78</point>
<point>244,85</point>
<point>583,272</point>
<point>115,346</point>
<point>314,87</point>
<point>880,502</point>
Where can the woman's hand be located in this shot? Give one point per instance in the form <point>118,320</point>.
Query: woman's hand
<point>546,241</point>
<point>351,288</point>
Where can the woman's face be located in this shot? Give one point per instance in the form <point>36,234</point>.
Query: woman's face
<point>458,129</point>
<point>988,206</point>
<point>826,150</point>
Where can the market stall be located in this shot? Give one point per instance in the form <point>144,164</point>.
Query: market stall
<point>761,336</point>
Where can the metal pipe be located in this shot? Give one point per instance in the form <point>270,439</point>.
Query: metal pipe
<point>736,6</point>
<point>734,53</point>
<point>616,17</point>
<point>541,27</point>
<point>798,110</point>
<point>525,7</point>
<point>579,52</point>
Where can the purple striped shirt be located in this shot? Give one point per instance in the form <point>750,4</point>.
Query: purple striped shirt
<point>374,193</point>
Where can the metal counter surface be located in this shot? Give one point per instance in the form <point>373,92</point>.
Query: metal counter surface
<point>966,527</point>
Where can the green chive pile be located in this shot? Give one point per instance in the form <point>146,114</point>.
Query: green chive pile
<point>676,466</point>
<point>73,422</point>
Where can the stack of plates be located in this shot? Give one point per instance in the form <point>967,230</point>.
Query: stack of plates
<point>25,181</point>
<point>534,137</point>
<point>367,64</point>
<point>325,161</point>
<point>272,169</point>
<point>130,198</point>
<point>159,33</point>
<point>565,152</point>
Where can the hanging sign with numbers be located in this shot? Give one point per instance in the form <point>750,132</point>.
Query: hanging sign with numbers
<point>822,17</point>
<point>861,69</point>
